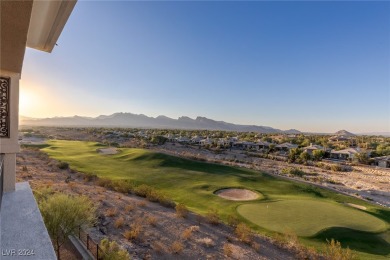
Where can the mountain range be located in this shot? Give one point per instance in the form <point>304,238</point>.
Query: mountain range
<point>143,121</point>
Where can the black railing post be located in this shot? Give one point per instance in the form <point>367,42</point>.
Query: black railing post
<point>97,251</point>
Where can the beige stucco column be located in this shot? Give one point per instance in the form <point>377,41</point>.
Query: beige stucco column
<point>9,124</point>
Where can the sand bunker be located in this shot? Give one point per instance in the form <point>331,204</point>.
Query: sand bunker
<point>237,194</point>
<point>356,206</point>
<point>108,151</point>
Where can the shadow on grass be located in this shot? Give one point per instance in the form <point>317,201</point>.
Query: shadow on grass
<point>185,164</point>
<point>40,146</point>
<point>356,240</point>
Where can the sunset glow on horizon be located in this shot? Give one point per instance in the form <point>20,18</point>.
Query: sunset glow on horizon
<point>311,66</point>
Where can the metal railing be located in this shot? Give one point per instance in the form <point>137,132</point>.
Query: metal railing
<point>91,245</point>
<point>1,177</point>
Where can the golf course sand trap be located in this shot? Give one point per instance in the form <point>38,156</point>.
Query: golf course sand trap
<point>108,150</point>
<point>355,206</point>
<point>308,217</point>
<point>237,194</point>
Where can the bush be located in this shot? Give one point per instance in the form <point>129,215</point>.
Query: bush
<point>63,215</point>
<point>112,251</point>
<point>187,233</point>
<point>233,221</point>
<point>63,165</point>
<point>212,216</point>
<point>336,168</point>
<point>90,177</point>
<point>111,212</point>
<point>293,172</point>
<point>181,210</point>
<point>227,250</point>
<point>207,242</point>
<point>243,233</point>
<point>104,182</point>
<point>177,247</point>
<point>334,251</point>
<point>152,221</point>
<point>119,222</point>
<point>134,231</point>
<point>129,207</point>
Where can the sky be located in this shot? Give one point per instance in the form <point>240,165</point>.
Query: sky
<point>311,66</point>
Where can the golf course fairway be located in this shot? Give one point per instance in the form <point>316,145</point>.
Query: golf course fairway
<point>313,213</point>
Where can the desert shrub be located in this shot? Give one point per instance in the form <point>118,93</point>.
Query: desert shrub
<point>141,203</point>
<point>207,242</point>
<point>334,251</point>
<point>158,247</point>
<point>123,186</point>
<point>111,212</point>
<point>112,251</point>
<point>227,250</point>
<point>212,216</point>
<point>255,246</point>
<point>151,220</point>
<point>233,221</point>
<point>181,210</point>
<point>63,165</point>
<point>177,247</point>
<point>336,168</point>
<point>243,233</point>
<point>89,177</point>
<point>134,232</point>
<point>153,195</point>
<point>43,193</point>
<point>63,215</point>
<point>119,222</point>
<point>187,233</point>
<point>104,182</point>
<point>195,228</point>
<point>293,171</point>
<point>142,190</point>
<point>129,207</point>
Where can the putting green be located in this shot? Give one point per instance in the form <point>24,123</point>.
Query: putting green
<point>308,217</point>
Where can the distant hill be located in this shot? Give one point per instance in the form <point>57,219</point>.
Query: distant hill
<point>143,121</point>
<point>344,133</point>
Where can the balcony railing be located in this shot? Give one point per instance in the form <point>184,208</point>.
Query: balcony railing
<point>1,177</point>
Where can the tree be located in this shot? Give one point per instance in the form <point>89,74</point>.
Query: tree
<point>293,154</point>
<point>112,251</point>
<point>160,140</point>
<point>64,214</point>
<point>318,154</point>
<point>362,157</point>
<point>305,156</point>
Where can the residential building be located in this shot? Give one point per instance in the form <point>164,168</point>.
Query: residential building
<point>35,24</point>
<point>312,147</point>
<point>285,147</point>
<point>345,154</point>
<point>383,161</point>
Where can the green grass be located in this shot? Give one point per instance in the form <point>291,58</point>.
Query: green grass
<point>193,183</point>
<point>309,217</point>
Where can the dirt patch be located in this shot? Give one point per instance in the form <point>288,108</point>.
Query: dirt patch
<point>107,151</point>
<point>237,194</point>
<point>355,206</point>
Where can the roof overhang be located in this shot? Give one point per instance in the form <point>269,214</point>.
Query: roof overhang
<point>33,23</point>
<point>48,19</point>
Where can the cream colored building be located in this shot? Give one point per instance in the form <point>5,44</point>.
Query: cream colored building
<point>35,24</point>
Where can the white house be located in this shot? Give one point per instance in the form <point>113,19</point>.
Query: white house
<point>345,154</point>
